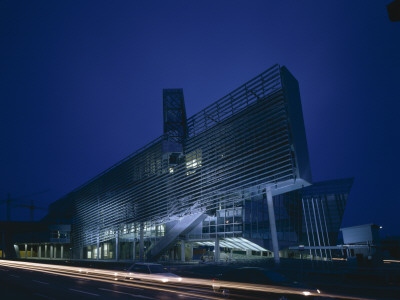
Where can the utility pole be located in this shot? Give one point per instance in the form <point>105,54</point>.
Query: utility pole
<point>31,207</point>
<point>9,204</point>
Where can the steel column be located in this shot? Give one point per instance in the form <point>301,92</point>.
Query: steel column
<point>272,224</point>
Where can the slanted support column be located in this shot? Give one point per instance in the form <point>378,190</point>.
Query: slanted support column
<point>216,250</point>
<point>272,225</point>
<point>51,251</point>
<point>40,251</point>
<point>117,245</point>
<point>26,251</point>
<point>141,242</point>
<point>62,252</point>
<point>191,252</point>
<point>45,251</point>
<point>182,251</point>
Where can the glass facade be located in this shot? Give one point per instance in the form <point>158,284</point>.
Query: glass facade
<point>323,207</point>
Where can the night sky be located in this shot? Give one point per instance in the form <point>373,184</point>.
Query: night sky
<point>81,86</point>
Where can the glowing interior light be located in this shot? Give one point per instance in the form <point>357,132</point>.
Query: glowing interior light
<point>319,292</point>
<point>305,293</point>
<point>193,159</point>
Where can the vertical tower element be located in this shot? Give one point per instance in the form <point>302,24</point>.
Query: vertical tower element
<point>175,125</point>
<point>296,122</point>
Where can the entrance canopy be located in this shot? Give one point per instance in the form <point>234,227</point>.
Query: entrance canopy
<point>234,243</point>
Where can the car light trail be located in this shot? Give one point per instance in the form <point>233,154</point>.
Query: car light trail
<point>389,261</point>
<point>86,273</point>
<point>153,281</point>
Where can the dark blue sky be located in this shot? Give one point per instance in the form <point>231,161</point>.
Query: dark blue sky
<point>81,86</point>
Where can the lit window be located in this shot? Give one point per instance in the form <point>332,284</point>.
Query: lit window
<point>193,160</point>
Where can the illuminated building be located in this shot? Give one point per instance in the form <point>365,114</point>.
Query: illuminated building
<point>230,177</point>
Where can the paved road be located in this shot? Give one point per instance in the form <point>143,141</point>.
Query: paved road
<point>341,283</point>
<point>26,280</point>
<point>28,284</point>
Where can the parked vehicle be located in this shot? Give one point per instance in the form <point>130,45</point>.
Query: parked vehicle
<point>233,283</point>
<point>151,272</point>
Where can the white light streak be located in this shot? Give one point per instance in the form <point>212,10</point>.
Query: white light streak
<point>150,280</point>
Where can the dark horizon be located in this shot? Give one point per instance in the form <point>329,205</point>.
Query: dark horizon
<point>82,87</point>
